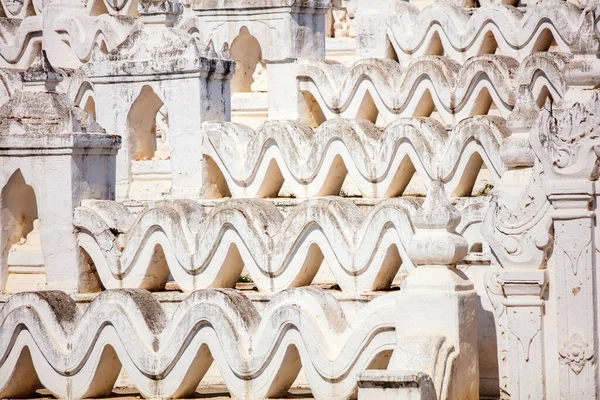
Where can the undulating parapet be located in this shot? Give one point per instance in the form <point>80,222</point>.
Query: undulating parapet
<point>427,86</point>
<point>461,33</point>
<point>420,223</point>
<point>203,250</point>
<point>70,30</point>
<point>83,32</point>
<point>21,40</point>
<point>241,162</point>
<point>45,339</point>
<point>208,249</point>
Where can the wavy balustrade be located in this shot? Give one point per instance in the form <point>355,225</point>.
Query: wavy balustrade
<point>84,32</point>
<point>203,250</point>
<point>485,84</point>
<point>208,249</point>
<point>381,162</point>
<point>45,339</point>
<point>20,41</point>
<point>460,33</point>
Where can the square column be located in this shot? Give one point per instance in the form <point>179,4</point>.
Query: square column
<point>52,156</point>
<point>133,85</point>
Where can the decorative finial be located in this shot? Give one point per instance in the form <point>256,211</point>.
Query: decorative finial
<point>515,151</point>
<point>53,78</point>
<point>525,112</point>
<point>436,241</point>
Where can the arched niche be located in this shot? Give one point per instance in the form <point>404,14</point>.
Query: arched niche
<point>84,97</point>
<point>142,125</point>
<point>19,207</point>
<point>90,106</point>
<point>247,53</point>
<point>114,7</point>
<point>21,247</point>
<point>97,7</point>
<point>149,156</point>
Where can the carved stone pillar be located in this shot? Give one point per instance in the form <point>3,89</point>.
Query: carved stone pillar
<point>53,156</point>
<point>516,227</point>
<point>567,143</point>
<point>560,194</point>
<point>575,292</point>
<point>437,330</point>
<point>523,291</point>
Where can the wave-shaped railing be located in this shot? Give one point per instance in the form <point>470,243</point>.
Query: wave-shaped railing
<point>241,162</point>
<point>20,41</point>
<point>203,249</point>
<point>459,33</point>
<point>45,339</point>
<point>84,32</point>
<point>485,84</point>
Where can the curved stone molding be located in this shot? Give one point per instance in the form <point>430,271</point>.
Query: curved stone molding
<point>459,33</point>
<point>84,32</point>
<point>118,7</point>
<point>20,9</point>
<point>428,84</point>
<point>69,28</point>
<point>147,51</point>
<point>246,163</point>
<point>44,338</point>
<point>21,41</point>
<point>209,250</point>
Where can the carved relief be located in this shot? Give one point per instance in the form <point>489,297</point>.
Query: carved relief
<point>14,6</point>
<point>518,223</point>
<point>160,6</point>
<point>567,143</point>
<point>576,353</point>
<point>495,296</point>
<point>116,5</point>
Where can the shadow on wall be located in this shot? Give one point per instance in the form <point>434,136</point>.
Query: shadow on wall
<point>144,142</point>
<point>19,218</point>
<point>247,53</point>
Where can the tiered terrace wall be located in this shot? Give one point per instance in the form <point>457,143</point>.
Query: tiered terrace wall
<point>414,219</point>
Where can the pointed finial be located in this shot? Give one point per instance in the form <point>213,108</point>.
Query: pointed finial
<point>53,78</point>
<point>525,112</point>
<point>210,50</point>
<point>436,241</point>
<point>515,151</point>
<point>225,51</point>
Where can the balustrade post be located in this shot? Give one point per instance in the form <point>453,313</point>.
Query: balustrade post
<point>523,292</point>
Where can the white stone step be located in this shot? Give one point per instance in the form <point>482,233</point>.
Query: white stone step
<point>26,258</point>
